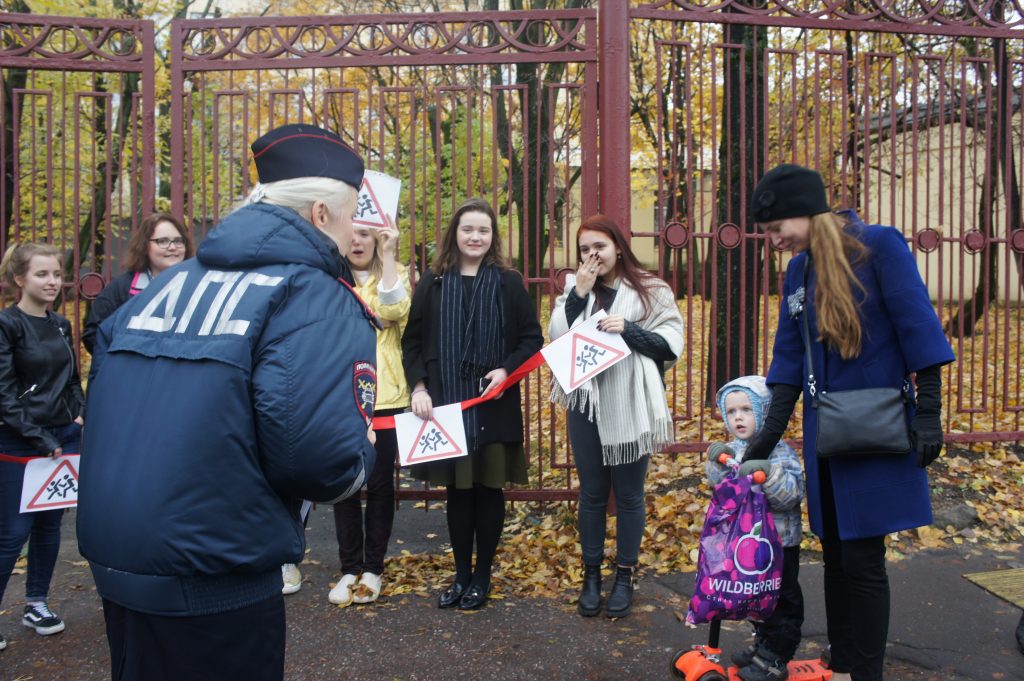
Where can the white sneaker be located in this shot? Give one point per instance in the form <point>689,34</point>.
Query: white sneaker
<point>341,594</point>
<point>291,577</point>
<point>368,589</point>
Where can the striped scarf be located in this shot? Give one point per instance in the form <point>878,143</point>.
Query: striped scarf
<point>633,420</point>
<point>471,339</point>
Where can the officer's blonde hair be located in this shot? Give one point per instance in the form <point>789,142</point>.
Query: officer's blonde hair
<point>300,193</point>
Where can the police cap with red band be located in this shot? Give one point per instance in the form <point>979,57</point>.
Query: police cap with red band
<point>301,150</point>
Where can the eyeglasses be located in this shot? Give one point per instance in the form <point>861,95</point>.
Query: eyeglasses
<point>167,242</point>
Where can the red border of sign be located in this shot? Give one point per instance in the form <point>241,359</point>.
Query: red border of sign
<point>380,211</point>
<point>432,457</point>
<point>32,506</point>
<point>573,383</point>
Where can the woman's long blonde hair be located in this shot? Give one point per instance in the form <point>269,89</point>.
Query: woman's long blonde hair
<point>836,251</point>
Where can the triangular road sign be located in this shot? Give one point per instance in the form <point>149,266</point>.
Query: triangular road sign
<point>369,212</point>
<point>62,501</point>
<point>590,357</point>
<point>445,447</point>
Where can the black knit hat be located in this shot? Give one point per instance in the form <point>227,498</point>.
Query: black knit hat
<point>788,191</point>
<point>300,150</point>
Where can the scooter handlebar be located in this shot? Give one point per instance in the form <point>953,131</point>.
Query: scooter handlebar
<point>758,476</point>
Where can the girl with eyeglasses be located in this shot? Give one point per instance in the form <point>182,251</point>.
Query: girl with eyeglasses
<point>158,243</point>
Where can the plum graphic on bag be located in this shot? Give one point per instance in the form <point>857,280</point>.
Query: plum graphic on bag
<point>739,569</point>
<point>754,553</point>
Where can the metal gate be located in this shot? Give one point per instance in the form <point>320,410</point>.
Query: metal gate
<point>495,104</point>
<point>77,151</point>
<point>910,109</point>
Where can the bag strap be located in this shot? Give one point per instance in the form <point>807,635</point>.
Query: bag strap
<point>812,384</point>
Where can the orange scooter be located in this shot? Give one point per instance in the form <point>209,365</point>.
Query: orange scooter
<point>704,663</point>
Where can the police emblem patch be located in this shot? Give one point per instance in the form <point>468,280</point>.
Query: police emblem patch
<point>364,385</point>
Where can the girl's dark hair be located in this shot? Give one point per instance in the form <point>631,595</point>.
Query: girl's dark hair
<point>137,257</point>
<point>447,258</point>
<point>629,268</point>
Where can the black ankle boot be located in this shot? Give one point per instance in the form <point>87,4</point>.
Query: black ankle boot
<point>590,597</point>
<point>620,600</point>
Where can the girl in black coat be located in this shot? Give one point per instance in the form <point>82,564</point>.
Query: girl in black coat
<point>472,323</point>
<point>40,415</point>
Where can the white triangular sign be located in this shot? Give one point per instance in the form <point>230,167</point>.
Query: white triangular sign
<point>442,436</point>
<point>378,196</point>
<point>50,483</point>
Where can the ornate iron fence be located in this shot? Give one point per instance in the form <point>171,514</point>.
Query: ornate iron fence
<point>910,109</point>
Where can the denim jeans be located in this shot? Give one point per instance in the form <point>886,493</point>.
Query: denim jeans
<point>41,529</point>
<point>596,480</point>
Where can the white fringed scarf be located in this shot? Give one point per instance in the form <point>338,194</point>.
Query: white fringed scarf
<point>636,420</point>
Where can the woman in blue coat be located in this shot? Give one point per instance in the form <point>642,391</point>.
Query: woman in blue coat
<point>872,325</point>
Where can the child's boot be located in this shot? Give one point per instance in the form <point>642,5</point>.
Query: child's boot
<point>743,658</point>
<point>765,666</point>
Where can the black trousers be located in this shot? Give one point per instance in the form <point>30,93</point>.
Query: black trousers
<point>856,594</point>
<point>781,632</point>
<point>247,643</point>
<point>363,550</point>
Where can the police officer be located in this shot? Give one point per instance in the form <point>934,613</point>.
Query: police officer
<point>221,396</point>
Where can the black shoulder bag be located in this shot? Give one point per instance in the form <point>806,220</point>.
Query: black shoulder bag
<point>851,423</point>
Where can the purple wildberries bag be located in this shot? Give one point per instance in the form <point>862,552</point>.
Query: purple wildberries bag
<point>739,569</point>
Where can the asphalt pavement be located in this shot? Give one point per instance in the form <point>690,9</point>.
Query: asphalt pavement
<point>943,627</point>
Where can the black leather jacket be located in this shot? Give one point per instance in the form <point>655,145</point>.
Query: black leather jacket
<point>39,383</point>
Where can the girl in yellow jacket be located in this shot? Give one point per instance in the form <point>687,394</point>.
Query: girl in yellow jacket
<point>363,537</point>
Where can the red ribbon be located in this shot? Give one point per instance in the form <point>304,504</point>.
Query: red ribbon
<point>388,422</point>
<point>23,460</point>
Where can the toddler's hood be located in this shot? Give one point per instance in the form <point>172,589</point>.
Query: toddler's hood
<point>757,391</point>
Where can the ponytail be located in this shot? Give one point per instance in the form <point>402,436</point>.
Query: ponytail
<point>838,312</point>
<point>17,258</point>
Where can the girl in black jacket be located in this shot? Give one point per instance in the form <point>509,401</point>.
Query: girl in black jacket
<point>472,323</point>
<point>159,242</point>
<point>40,415</point>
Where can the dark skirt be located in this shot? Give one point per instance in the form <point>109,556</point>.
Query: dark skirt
<point>493,465</point>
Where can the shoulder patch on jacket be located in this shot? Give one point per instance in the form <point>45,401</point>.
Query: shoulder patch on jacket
<point>364,385</point>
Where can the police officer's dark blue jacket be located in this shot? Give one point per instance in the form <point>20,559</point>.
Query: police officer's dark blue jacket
<point>235,385</point>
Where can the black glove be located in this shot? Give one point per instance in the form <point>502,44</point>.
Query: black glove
<point>784,397</point>
<point>926,426</point>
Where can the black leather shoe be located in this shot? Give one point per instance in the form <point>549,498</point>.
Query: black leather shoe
<point>474,598</point>
<point>620,600</point>
<point>449,598</point>
<point>589,603</point>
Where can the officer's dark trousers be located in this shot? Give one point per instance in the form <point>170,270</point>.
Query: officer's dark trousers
<point>856,594</point>
<point>247,643</point>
